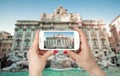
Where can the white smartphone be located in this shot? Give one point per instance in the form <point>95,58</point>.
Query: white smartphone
<point>59,40</point>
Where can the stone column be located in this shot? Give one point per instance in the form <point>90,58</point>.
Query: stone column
<point>53,41</point>
<point>69,43</point>
<point>22,43</point>
<point>64,42</point>
<point>98,38</point>
<point>61,42</point>
<point>23,38</point>
<point>90,40</point>
<point>106,38</point>
<point>32,35</point>
<point>56,42</point>
<point>48,42</point>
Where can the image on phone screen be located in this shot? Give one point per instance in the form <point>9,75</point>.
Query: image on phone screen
<point>59,40</point>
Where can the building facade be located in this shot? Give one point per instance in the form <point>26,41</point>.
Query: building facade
<point>4,35</point>
<point>5,43</point>
<point>115,34</point>
<point>60,19</point>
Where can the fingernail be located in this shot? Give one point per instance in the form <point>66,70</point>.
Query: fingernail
<point>73,59</point>
<point>55,51</point>
<point>65,52</point>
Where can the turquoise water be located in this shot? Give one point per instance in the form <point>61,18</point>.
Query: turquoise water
<point>48,72</point>
<point>73,72</point>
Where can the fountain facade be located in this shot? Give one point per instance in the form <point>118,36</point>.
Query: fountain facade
<point>60,19</point>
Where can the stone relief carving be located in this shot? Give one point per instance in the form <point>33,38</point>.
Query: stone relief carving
<point>60,11</point>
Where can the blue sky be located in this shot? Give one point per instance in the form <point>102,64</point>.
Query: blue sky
<point>13,10</point>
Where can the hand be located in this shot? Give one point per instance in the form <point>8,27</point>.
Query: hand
<point>37,58</point>
<point>84,58</point>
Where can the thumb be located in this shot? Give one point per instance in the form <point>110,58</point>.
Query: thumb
<point>47,54</point>
<point>72,54</point>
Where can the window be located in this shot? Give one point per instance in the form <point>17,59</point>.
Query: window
<point>103,42</point>
<point>105,53</point>
<point>20,30</point>
<point>25,54</point>
<point>28,30</point>
<point>3,50</point>
<point>92,30</point>
<point>117,45</point>
<point>95,43</point>
<point>10,44</point>
<point>27,43</point>
<point>100,31</point>
<point>16,53</point>
<point>51,42</point>
<point>18,42</point>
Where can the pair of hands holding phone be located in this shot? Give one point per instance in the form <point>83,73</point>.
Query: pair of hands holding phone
<point>37,58</point>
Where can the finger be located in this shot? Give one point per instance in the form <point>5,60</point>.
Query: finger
<point>36,40</point>
<point>47,54</point>
<point>81,34</point>
<point>83,39</point>
<point>72,54</point>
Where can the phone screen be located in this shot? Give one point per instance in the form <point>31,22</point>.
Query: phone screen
<point>58,40</point>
